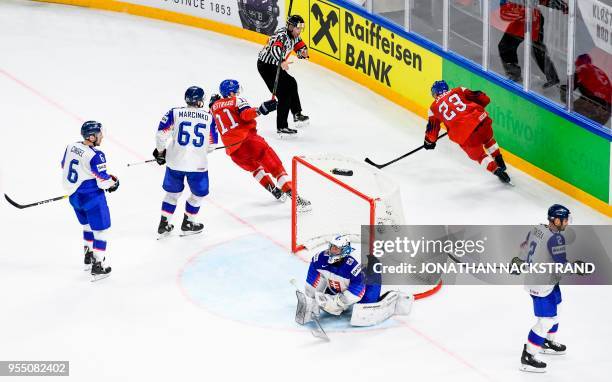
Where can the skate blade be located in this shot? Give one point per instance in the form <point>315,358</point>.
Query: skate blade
<point>189,233</point>
<point>300,125</point>
<point>164,235</point>
<point>531,369</point>
<point>282,199</point>
<point>551,352</point>
<point>95,278</point>
<point>286,136</point>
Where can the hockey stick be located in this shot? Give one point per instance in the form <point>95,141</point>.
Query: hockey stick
<point>278,68</point>
<point>153,160</point>
<point>143,162</point>
<point>318,332</point>
<point>379,166</point>
<point>21,206</point>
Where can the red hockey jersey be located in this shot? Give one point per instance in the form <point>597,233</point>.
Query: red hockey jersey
<point>461,110</point>
<point>235,120</point>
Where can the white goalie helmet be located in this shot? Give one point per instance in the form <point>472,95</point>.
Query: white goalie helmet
<point>339,247</point>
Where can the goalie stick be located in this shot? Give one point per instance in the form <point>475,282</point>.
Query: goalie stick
<point>379,166</point>
<point>22,206</point>
<point>318,332</point>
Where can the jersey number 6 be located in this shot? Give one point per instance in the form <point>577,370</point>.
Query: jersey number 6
<point>73,175</point>
<point>184,137</point>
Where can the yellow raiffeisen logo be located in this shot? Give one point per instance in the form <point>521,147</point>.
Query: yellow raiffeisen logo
<point>324,27</point>
<point>371,49</point>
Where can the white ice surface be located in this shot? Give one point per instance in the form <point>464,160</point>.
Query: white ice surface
<point>218,306</point>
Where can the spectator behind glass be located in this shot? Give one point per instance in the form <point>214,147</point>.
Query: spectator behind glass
<point>514,34</point>
<point>595,89</point>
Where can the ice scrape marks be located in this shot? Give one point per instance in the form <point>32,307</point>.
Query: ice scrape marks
<point>247,280</point>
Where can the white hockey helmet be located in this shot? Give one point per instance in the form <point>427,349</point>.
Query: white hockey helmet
<point>339,247</point>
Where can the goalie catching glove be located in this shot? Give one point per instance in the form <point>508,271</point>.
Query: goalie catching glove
<point>331,304</point>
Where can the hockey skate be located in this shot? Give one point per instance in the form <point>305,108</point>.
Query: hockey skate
<point>300,120</point>
<point>190,228</point>
<point>164,228</point>
<point>500,162</point>
<point>530,363</point>
<point>88,258</point>
<point>99,271</point>
<point>277,193</point>
<point>552,347</point>
<point>286,132</point>
<point>302,204</point>
<point>503,176</point>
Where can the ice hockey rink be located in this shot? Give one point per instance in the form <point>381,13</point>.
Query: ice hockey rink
<point>218,306</point>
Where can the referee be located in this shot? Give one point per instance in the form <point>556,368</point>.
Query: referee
<point>278,48</point>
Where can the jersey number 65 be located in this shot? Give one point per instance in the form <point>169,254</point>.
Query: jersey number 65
<point>184,137</point>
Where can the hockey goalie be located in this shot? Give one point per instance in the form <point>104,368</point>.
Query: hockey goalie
<point>336,283</point>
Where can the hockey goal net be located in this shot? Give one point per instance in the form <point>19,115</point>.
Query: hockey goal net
<point>345,194</point>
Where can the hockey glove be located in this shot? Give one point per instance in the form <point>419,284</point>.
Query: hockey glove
<point>115,186</point>
<point>267,107</point>
<point>160,157</point>
<point>330,304</point>
<point>213,98</point>
<point>429,145</point>
<point>579,263</point>
<point>516,260</point>
<point>303,53</point>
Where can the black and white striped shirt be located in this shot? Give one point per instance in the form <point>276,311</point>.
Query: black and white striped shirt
<point>280,45</point>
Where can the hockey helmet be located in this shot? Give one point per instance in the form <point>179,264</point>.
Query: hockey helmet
<point>194,95</point>
<point>439,87</point>
<point>339,247</point>
<point>229,86</point>
<point>295,21</point>
<point>90,128</point>
<point>558,211</point>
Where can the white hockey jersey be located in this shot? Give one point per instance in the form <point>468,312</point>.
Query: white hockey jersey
<point>190,130</point>
<point>84,169</point>
<point>543,245</point>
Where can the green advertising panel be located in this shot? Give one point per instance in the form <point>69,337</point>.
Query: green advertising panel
<point>541,137</point>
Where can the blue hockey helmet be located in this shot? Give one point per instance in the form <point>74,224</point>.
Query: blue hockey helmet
<point>339,247</point>
<point>438,88</point>
<point>558,211</point>
<point>229,86</point>
<point>90,128</point>
<point>194,95</point>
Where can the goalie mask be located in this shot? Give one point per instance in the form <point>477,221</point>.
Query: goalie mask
<point>339,247</point>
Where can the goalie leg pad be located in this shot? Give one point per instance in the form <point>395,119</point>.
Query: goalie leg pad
<point>306,308</point>
<point>374,313</point>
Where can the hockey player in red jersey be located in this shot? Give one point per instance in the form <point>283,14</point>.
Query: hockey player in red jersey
<point>468,124</point>
<point>235,122</point>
